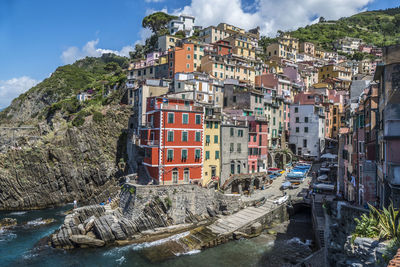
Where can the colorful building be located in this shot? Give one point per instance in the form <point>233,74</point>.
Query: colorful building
<point>181,59</point>
<point>212,145</point>
<point>258,144</point>
<point>172,139</point>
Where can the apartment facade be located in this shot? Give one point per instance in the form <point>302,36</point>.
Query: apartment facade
<point>172,139</point>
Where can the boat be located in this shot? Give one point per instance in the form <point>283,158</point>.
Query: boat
<point>322,186</point>
<point>322,177</point>
<point>286,185</point>
<point>260,202</point>
<point>281,200</point>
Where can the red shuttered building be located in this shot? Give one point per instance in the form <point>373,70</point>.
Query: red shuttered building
<point>173,140</point>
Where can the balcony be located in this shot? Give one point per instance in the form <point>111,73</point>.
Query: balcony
<point>215,117</point>
<point>179,107</point>
<point>151,142</point>
<point>148,124</point>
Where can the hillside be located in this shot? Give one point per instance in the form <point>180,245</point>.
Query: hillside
<point>74,150</point>
<point>380,28</point>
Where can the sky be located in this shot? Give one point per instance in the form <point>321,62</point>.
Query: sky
<point>38,36</point>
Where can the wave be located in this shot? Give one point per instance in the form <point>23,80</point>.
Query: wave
<point>191,252</point>
<point>120,260</point>
<point>6,235</point>
<point>17,213</point>
<point>135,247</point>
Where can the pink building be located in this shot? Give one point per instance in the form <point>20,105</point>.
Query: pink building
<point>258,144</point>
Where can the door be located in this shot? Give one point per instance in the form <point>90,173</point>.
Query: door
<point>186,176</point>
<point>175,177</point>
<point>213,172</point>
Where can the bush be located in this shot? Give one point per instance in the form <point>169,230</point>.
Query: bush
<point>97,117</point>
<point>168,202</point>
<point>78,121</point>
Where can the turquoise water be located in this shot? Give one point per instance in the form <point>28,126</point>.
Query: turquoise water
<point>18,247</point>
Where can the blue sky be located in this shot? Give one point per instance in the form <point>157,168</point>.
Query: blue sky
<point>34,34</point>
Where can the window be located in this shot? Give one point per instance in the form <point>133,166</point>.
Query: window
<point>297,119</point>
<point>185,118</point>
<point>198,136</point>
<point>304,142</point>
<point>238,168</point>
<point>296,110</point>
<point>232,168</point>
<point>170,154</point>
<point>215,139</point>
<point>186,175</point>
<point>170,136</point>
<point>207,139</point>
<point>234,99</point>
<point>207,154</point>
<point>184,136</point>
<point>188,56</point>
<point>306,119</point>
<point>240,133</point>
<point>255,138</point>
<point>297,129</point>
<point>170,117</point>
<point>188,66</point>
<point>306,129</point>
<point>217,154</point>
<point>215,125</point>
<point>197,154</point>
<point>184,154</point>
<point>232,131</point>
<point>239,148</point>
<point>198,119</point>
<point>188,48</point>
<point>231,148</point>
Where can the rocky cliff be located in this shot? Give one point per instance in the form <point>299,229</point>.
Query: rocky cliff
<point>70,163</point>
<point>71,150</point>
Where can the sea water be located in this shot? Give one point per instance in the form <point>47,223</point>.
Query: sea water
<point>19,247</point>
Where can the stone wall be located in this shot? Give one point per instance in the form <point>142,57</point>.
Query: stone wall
<point>364,252</point>
<point>181,199</point>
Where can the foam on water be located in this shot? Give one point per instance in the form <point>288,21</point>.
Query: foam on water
<point>121,260</point>
<point>195,251</point>
<point>6,235</point>
<point>17,213</point>
<point>135,247</point>
<point>36,222</point>
<point>298,241</point>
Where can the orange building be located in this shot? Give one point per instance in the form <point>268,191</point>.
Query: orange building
<point>173,140</point>
<point>180,59</point>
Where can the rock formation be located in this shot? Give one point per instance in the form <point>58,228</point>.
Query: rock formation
<point>141,209</point>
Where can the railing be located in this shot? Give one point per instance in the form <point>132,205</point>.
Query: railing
<point>152,142</point>
<point>179,107</point>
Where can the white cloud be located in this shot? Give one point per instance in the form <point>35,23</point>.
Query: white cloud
<point>270,15</point>
<point>73,53</point>
<point>12,88</point>
<point>144,33</point>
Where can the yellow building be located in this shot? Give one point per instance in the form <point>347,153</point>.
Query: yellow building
<point>289,41</point>
<point>241,46</point>
<point>278,50</point>
<point>228,67</point>
<point>333,71</point>
<point>166,42</point>
<point>230,28</point>
<point>212,153</point>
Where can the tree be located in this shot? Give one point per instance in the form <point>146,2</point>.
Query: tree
<point>157,21</point>
<point>180,34</point>
<point>138,53</point>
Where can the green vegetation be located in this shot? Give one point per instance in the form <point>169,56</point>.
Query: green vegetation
<point>157,21</point>
<point>97,117</point>
<point>383,224</point>
<point>379,28</point>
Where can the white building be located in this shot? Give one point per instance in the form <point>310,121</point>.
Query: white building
<point>307,120</point>
<point>182,23</point>
<point>347,44</point>
<point>195,86</point>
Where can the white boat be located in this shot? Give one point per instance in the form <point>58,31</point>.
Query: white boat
<point>329,187</point>
<point>281,200</point>
<point>323,177</point>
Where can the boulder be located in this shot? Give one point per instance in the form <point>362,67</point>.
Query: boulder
<point>8,222</point>
<point>256,228</point>
<point>89,223</point>
<point>82,229</point>
<point>84,240</point>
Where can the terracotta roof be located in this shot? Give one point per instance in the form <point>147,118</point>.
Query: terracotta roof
<point>395,262</point>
